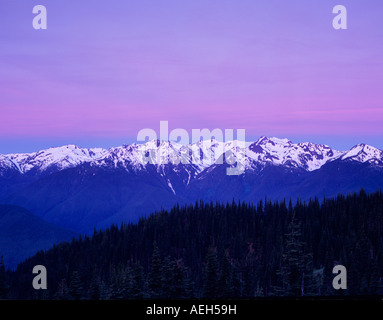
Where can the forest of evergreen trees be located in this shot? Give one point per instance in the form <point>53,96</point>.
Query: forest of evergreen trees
<point>207,250</point>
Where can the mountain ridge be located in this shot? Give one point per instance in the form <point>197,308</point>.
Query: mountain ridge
<point>22,234</point>
<point>97,188</point>
<point>275,151</point>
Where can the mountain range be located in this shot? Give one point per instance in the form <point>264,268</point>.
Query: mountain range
<point>22,234</point>
<point>80,189</point>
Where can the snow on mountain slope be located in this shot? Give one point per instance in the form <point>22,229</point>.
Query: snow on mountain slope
<point>6,163</point>
<point>364,153</point>
<point>137,156</point>
<point>61,158</point>
<point>201,155</point>
<point>193,158</point>
<point>305,155</point>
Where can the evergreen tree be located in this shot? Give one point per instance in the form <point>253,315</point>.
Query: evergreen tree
<point>211,275</point>
<point>75,286</point>
<point>94,289</point>
<point>62,291</point>
<point>179,280</point>
<point>167,279</point>
<point>94,292</point>
<point>259,291</point>
<point>237,283</point>
<point>155,281</point>
<point>138,282</point>
<point>225,282</point>
<point>292,267</point>
<point>3,280</point>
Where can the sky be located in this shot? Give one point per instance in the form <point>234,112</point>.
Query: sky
<point>104,70</point>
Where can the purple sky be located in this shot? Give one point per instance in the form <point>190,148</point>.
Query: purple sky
<point>106,69</point>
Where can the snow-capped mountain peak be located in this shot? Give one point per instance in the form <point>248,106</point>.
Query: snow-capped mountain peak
<point>308,156</point>
<point>6,163</point>
<point>364,153</point>
<point>196,157</point>
<point>273,141</point>
<point>58,157</point>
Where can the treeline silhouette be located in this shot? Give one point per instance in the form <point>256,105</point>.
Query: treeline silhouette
<point>207,250</point>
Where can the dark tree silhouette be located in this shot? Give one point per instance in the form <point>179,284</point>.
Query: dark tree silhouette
<point>232,250</point>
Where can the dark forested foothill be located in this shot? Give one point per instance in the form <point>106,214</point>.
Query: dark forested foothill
<point>234,250</point>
